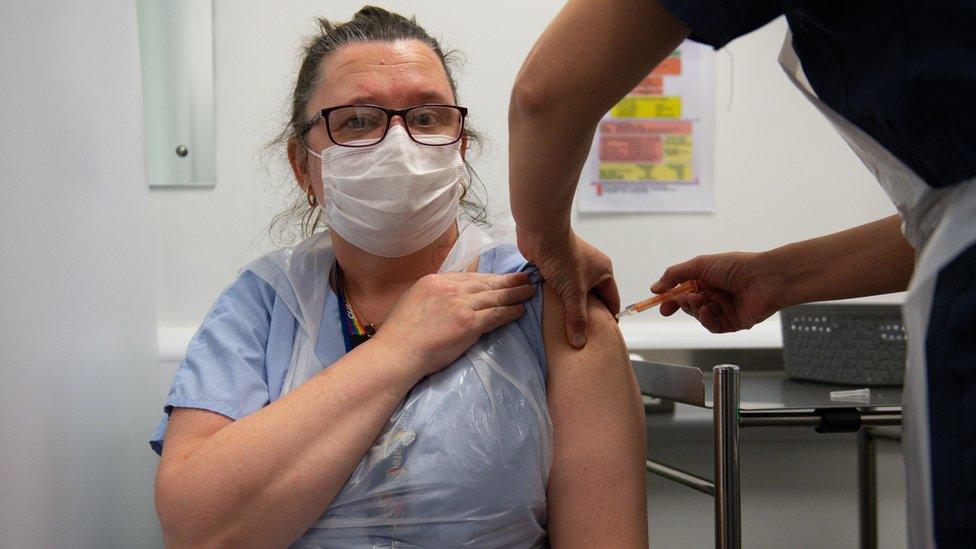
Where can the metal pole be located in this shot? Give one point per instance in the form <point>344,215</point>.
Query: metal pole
<point>728,521</point>
<point>690,480</point>
<point>813,418</point>
<point>886,434</point>
<point>867,488</point>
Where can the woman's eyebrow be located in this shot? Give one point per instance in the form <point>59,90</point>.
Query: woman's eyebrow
<point>420,98</point>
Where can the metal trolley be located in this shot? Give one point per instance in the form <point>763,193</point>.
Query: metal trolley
<point>780,403</point>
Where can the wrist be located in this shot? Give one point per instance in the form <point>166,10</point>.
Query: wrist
<point>785,278</point>
<point>406,366</point>
<point>538,244</point>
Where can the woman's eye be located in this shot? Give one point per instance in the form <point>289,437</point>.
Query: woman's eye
<point>422,119</point>
<point>358,122</point>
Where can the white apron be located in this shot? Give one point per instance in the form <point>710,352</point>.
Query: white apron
<point>464,459</point>
<point>939,224</point>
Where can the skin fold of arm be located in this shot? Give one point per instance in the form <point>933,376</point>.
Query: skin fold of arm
<point>597,495</point>
<point>263,480</point>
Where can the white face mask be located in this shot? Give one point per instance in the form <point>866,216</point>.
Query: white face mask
<point>393,198</point>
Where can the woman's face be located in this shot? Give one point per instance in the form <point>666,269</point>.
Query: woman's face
<point>394,75</point>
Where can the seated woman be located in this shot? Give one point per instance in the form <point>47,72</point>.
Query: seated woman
<point>350,391</point>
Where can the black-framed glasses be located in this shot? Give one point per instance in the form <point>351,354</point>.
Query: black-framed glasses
<point>367,125</point>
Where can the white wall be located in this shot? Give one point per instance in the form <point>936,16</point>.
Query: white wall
<point>781,172</point>
<point>77,326</point>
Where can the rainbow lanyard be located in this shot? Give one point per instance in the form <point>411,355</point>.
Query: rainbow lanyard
<point>354,333</point>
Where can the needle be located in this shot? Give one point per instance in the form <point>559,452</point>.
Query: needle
<point>640,306</point>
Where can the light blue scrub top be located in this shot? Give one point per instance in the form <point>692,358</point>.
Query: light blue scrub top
<point>237,361</point>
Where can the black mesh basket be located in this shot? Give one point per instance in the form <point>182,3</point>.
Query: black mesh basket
<point>862,344</point>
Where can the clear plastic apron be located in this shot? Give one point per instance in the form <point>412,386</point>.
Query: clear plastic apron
<point>463,461</point>
<point>940,224</point>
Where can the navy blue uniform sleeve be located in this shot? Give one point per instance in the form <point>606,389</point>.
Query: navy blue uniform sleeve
<point>718,22</point>
<point>225,366</point>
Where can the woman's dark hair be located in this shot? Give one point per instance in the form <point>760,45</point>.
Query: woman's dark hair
<point>368,25</point>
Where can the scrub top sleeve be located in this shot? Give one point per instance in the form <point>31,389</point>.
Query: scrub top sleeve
<point>531,320</point>
<point>718,22</point>
<point>508,259</point>
<point>225,366</point>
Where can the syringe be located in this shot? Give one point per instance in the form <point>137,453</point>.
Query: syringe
<point>683,288</point>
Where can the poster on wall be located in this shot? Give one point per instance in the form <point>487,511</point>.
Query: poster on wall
<point>652,152</point>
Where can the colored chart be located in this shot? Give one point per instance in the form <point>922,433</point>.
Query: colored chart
<point>652,152</point>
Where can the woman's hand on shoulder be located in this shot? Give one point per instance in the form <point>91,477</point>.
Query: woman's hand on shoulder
<point>443,314</point>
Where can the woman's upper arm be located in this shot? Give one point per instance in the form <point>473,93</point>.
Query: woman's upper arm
<point>596,493</point>
<point>187,429</point>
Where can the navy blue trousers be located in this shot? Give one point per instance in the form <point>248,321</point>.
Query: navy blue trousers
<point>950,349</point>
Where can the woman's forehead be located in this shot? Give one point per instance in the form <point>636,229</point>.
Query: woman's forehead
<point>391,74</point>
